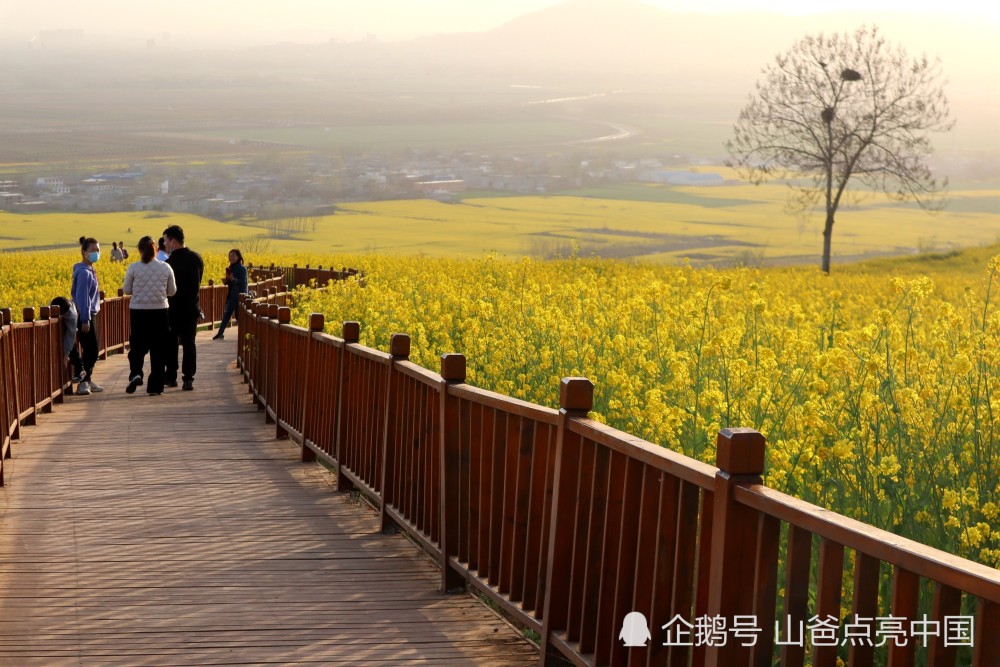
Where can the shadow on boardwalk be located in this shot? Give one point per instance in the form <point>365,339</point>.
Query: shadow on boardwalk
<point>174,530</point>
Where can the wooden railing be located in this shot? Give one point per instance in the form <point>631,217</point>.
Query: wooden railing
<point>570,525</point>
<point>33,376</point>
<point>565,523</point>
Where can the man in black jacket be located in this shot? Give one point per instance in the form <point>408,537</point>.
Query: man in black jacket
<point>184,309</point>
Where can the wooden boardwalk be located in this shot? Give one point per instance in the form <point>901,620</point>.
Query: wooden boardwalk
<point>175,530</point>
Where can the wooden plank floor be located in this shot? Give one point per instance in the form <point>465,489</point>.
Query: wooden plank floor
<point>174,530</point>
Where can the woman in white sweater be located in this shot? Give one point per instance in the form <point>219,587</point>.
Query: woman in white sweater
<point>149,282</point>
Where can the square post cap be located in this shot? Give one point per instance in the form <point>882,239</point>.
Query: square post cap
<point>740,451</point>
<point>399,346</point>
<point>453,367</point>
<point>351,332</point>
<point>576,393</point>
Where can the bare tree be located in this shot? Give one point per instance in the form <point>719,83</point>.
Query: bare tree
<point>844,106</point>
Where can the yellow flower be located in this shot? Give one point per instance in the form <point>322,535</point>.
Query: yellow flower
<point>950,499</point>
<point>971,537</point>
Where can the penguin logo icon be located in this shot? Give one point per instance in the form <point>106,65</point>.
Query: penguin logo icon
<point>635,630</point>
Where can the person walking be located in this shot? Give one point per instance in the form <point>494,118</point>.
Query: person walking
<point>123,249</point>
<point>150,283</point>
<point>236,278</point>
<point>116,252</point>
<point>184,310</point>
<point>86,293</point>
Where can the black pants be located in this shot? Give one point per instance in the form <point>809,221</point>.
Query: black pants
<point>88,341</point>
<point>75,361</point>
<point>228,311</point>
<point>182,333</point>
<point>150,331</point>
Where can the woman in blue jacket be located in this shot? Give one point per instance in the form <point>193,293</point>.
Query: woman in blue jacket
<point>86,294</point>
<point>236,278</point>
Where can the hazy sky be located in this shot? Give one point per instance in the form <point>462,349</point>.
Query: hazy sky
<point>269,21</point>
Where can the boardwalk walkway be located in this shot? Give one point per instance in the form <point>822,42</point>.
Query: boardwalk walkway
<point>175,530</point>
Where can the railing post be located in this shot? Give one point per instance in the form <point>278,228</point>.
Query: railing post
<point>271,362</point>
<point>52,364</point>
<point>740,459</point>
<point>987,634</point>
<point>316,323</point>
<point>399,350</point>
<point>259,386</point>
<point>453,371</point>
<point>209,308</point>
<point>279,395</point>
<point>28,317</point>
<point>351,333</point>
<point>60,368</point>
<point>245,300</point>
<point>576,399</point>
<point>5,316</point>
<point>102,334</point>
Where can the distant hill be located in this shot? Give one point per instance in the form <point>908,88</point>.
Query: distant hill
<point>610,40</point>
<point>628,41</point>
<point>685,75</point>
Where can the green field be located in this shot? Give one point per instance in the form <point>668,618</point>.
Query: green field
<point>55,231</point>
<point>668,224</point>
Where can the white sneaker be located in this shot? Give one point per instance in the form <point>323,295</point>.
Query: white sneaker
<point>83,389</point>
<point>96,388</point>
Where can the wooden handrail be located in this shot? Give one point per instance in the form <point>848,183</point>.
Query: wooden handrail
<point>887,547</point>
<point>567,524</point>
<point>570,525</point>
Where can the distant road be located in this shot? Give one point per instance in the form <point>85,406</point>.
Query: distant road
<point>620,132</point>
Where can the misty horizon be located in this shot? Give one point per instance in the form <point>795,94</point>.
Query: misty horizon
<point>224,25</point>
<point>676,80</point>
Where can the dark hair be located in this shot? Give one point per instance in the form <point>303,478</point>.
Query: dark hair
<point>146,249</point>
<point>238,254</point>
<point>160,245</point>
<point>63,304</point>
<point>174,232</point>
<point>114,244</point>
<point>86,242</point>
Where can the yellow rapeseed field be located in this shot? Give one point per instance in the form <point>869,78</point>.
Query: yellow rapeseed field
<point>32,279</point>
<point>721,224</point>
<point>878,388</point>
<point>879,395</point>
